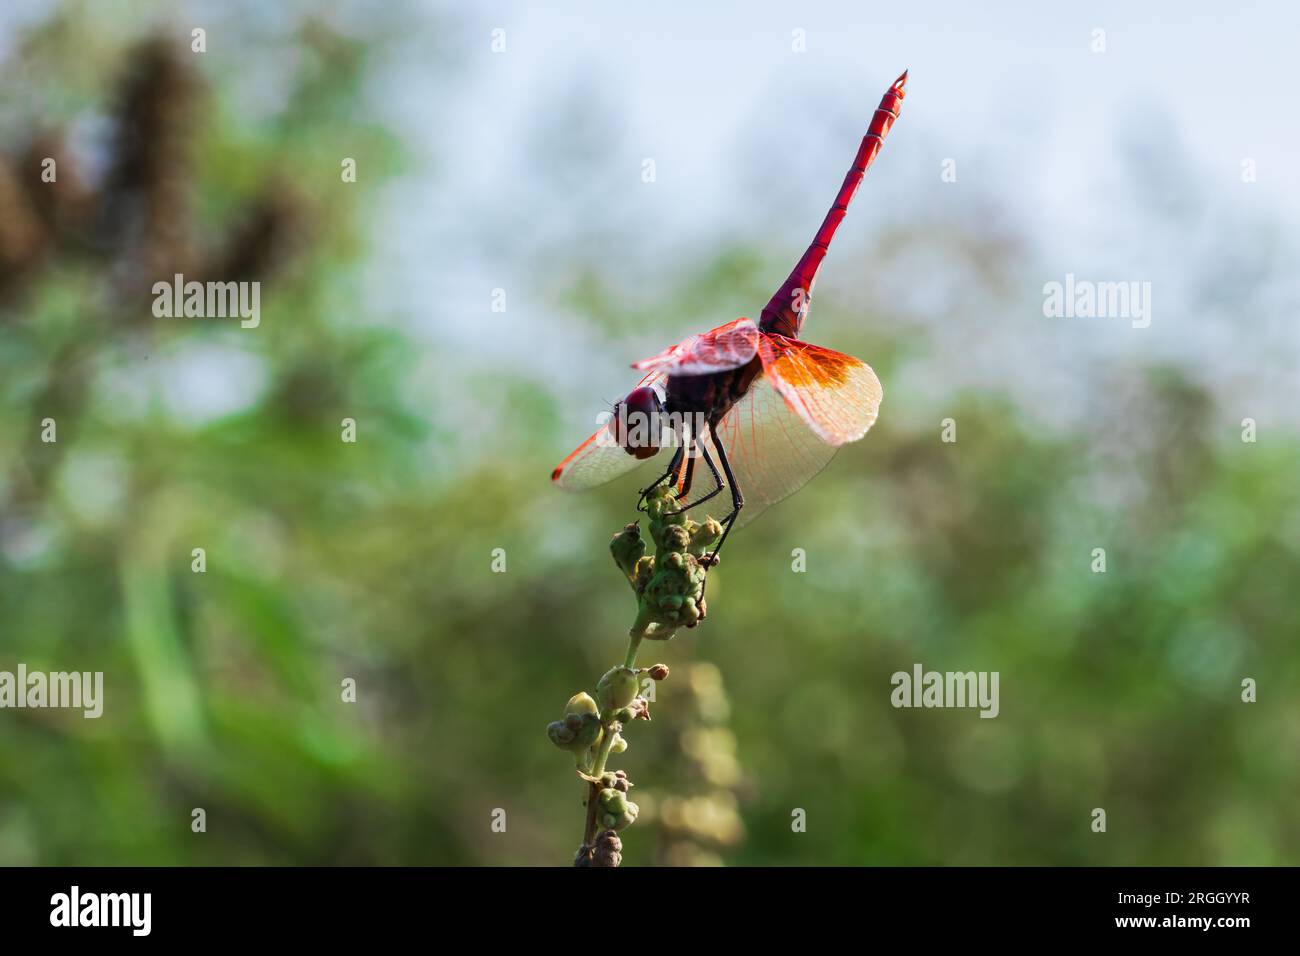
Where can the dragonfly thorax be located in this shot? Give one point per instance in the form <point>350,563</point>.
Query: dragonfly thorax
<point>710,396</point>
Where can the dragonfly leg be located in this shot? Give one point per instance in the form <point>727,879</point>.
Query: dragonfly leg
<point>670,473</point>
<point>717,480</point>
<point>737,498</point>
<point>689,476</point>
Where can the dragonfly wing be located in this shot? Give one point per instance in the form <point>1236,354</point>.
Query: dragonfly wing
<point>600,458</point>
<point>837,395</point>
<point>728,346</point>
<point>771,450</point>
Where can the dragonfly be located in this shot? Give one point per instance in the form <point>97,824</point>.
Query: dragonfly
<point>764,410</point>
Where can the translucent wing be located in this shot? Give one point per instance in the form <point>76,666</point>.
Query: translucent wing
<point>600,458</point>
<point>836,394</point>
<point>728,346</point>
<point>772,452</point>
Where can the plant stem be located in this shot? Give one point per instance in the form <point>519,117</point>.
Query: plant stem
<point>605,746</point>
<point>589,833</point>
<point>633,644</point>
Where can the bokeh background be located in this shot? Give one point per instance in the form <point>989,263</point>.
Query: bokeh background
<point>482,168</point>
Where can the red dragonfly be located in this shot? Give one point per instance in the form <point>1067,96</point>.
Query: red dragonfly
<point>767,407</point>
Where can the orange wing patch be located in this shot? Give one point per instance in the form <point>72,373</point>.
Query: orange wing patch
<point>836,395</point>
<point>772,453</point>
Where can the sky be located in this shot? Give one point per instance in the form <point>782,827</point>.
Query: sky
<point>1014,88</point>
<point>527,127</point>
<point>1044,116</point>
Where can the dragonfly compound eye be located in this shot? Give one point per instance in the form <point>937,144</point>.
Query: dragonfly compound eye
<point>636,422</point>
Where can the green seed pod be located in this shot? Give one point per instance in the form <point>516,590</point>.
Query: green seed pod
<point>627,548</point>
<point>690,613</point>
<point>616,810</point>
<point>669,586</point>
<point>591,730</point>
<point>581,703</point>
<point>645,569</point>
<point>705,536</point>
<point>612,801</point>
<point>576,732</point>
<point>617,688</point>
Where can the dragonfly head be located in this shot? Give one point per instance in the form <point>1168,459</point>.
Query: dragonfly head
<point>635,424</point>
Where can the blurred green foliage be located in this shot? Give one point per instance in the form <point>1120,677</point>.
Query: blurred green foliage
<point>372,560</point>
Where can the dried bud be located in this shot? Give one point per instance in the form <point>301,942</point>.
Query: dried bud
<point>639,709</point>
<point>615,780</point>
<point>608,850</point>
<point>576,732</point>
<point>658,672</point>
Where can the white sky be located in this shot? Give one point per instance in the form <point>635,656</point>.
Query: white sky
<point>750,136</point>
<point>1039,124</point>
<point>1016,81</point>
